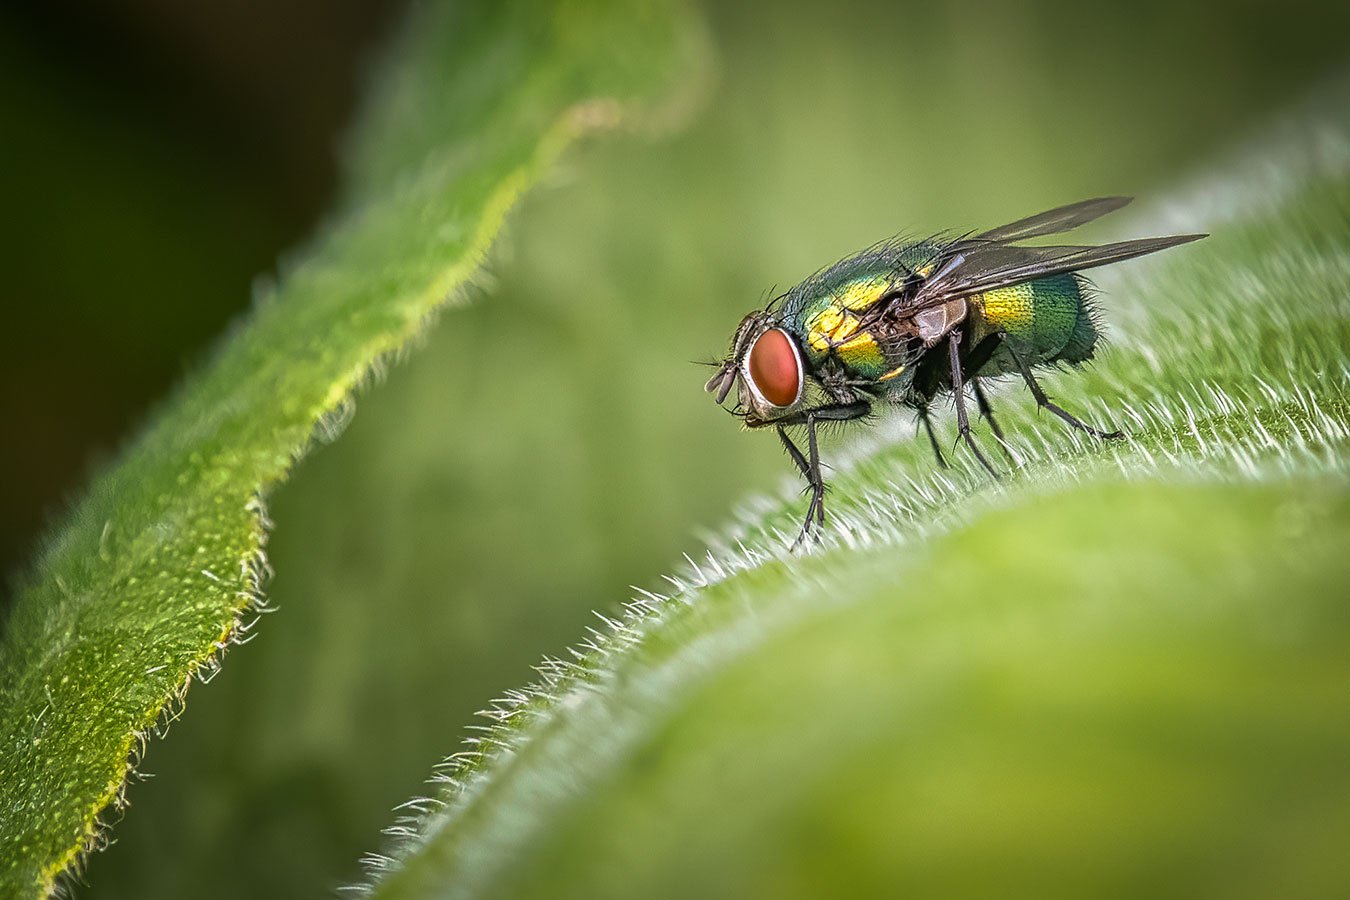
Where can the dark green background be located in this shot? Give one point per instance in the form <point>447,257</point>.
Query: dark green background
<point>550,445</point>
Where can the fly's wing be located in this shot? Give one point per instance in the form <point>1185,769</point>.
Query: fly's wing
<point>1055,221</point>
<point>976,265</point>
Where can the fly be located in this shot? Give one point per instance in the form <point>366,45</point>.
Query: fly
<point>909,321</point>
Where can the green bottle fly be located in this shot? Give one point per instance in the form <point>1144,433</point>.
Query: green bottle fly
<point>908,321</point>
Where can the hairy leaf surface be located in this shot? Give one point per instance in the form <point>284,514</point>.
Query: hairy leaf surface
<point>1121,670</point>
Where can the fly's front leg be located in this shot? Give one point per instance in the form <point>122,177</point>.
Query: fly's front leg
<point>809,472</point>
<point>794,452</point>
<point>817,482</point>
<point>809,464</point>
<point>1043,401</point>
<point>810,469</point>
<point>959,392</point>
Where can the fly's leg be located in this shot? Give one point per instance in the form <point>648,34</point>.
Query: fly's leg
<point>1043,401</point>
<point>817,482</point>
<point>982,404</point>
<point>811,472</point>
<point>971,365</point>
<point>926,422</point>
<point>794,452</point>
<point>987,411</point>
<point>809,464</point>
<point>810,469</point>
<point>959,392</point>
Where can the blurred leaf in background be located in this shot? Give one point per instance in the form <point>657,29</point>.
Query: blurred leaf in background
<point>157,156</point>
<point>552,445</point>
<point>150,576</point>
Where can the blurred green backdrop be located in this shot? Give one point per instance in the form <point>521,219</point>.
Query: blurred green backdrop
<point>550,445</point>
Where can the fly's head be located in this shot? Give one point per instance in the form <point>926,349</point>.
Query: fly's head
<point>766,367</point>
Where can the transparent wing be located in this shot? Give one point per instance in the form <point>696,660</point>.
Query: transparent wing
<point>1054,221</point>
<point>975,265</point>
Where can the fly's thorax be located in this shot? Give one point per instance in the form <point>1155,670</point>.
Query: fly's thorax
<point>863,347</point>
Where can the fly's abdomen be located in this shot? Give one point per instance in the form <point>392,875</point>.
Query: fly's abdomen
<point>1047,320</point>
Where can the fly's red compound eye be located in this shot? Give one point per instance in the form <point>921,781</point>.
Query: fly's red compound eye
<point>775,369</point>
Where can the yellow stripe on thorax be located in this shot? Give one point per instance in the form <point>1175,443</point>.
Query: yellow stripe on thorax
<point>861,294</point>
<point>837,329</point>
<point>832,327</point>
<point>859,351</point>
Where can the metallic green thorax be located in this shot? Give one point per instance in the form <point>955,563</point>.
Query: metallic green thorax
<point>825,312</point>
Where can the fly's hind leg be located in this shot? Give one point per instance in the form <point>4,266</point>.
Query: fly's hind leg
<point>1043,401</point>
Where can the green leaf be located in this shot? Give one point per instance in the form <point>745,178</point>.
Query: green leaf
<point>1124,670</point>
<point>161,567</point>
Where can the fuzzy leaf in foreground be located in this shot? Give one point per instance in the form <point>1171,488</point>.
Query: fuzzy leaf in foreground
<point>160,568</point>
<point>1122,671</point>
